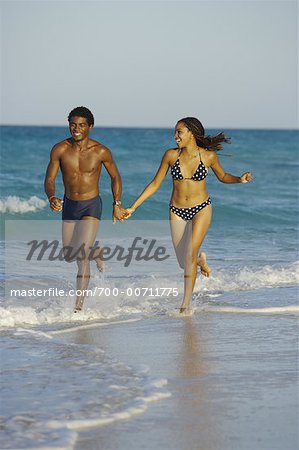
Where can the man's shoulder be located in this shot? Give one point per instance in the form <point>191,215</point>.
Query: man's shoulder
<point>98,147</point>
<point>61,146</point>
<point>95,144</point>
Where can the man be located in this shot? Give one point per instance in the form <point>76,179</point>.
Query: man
<point>80,160</point>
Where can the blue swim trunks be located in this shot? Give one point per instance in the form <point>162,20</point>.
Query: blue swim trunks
<point>77,209</point>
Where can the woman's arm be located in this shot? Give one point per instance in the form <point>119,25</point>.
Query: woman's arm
<point>225,177</point>
<point>154,185</point>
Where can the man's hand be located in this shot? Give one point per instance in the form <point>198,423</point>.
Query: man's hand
<point>56,204</point>
<point>118,213</point>
<point>246,177</point>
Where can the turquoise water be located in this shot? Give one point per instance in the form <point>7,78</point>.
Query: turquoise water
<point>264,212</point>
<point>253,239</point>
<point>252,247</point>
<point>268,205</point>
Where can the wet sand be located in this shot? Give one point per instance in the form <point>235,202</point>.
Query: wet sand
<point>232,378</point>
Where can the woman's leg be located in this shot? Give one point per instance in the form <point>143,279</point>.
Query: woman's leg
<point>202,263</point>
<point>200,225</point>
<point>179,230</point>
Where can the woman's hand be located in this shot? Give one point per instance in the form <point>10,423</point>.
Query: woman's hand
<point>129,212</point>
<point>246,177</point>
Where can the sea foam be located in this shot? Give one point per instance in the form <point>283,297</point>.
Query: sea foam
<point>74,387</point>
<point>14,204</point>
<point>208,292</point>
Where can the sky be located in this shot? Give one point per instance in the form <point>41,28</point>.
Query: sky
<point>232,64</point>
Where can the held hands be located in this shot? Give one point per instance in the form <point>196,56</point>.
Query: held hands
<point>119,213</point>
<point>246,177</point>
<point>129,212</point>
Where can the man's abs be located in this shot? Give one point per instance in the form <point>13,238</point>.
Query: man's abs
<point>81,174</point>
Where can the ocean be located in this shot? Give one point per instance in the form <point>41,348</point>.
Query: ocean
<point>54,387</point>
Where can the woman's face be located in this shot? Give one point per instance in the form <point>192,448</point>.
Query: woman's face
<point>182,135</point>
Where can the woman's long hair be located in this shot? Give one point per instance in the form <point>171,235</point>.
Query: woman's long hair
<point>198,131</point>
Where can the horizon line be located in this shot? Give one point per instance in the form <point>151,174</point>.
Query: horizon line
<point>152,127</point>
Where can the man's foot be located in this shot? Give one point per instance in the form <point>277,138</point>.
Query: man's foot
<point>99,262</point>
<point>78,306</point>
<point>202,263</point>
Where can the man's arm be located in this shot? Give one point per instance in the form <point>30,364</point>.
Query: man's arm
<point>116,184</point>
<point>51,173</point>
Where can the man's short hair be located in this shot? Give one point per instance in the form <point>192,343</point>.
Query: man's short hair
<point>82,111</point>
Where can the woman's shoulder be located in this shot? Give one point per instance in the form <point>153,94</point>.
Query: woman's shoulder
<point>171,155</point>
<point>210,156</point>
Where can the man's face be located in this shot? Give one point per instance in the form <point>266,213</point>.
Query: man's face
<point>79,128</point>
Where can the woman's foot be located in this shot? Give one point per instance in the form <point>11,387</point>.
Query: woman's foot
<point>185,311</point>
<point>100,265</point>
<point>202,263</point>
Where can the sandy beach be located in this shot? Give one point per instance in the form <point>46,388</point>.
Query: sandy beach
<point>232,379</point>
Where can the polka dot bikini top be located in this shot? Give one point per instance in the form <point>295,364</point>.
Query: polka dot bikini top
<point>200,174</point>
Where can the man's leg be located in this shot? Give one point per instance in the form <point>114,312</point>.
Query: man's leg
<point>68,234</point>
<point>86,232</point>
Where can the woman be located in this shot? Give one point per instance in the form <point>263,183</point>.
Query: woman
<point>190,206</point>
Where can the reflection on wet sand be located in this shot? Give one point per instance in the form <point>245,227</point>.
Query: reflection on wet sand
<point>193,368</point>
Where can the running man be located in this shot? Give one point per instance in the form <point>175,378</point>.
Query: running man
<point>80,160</point>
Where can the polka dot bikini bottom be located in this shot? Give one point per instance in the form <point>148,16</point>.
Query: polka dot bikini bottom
<point>188,213</point>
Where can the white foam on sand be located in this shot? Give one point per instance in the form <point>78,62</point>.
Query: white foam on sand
<point>293,309</point>
<point>131,303</point>
<point>23,430</point>
<point>62,387</point>
<point>138,406</point>
<point>92,325</point>
<point>248,278</point>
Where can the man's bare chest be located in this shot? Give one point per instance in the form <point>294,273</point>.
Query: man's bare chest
<point>83,162</point>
